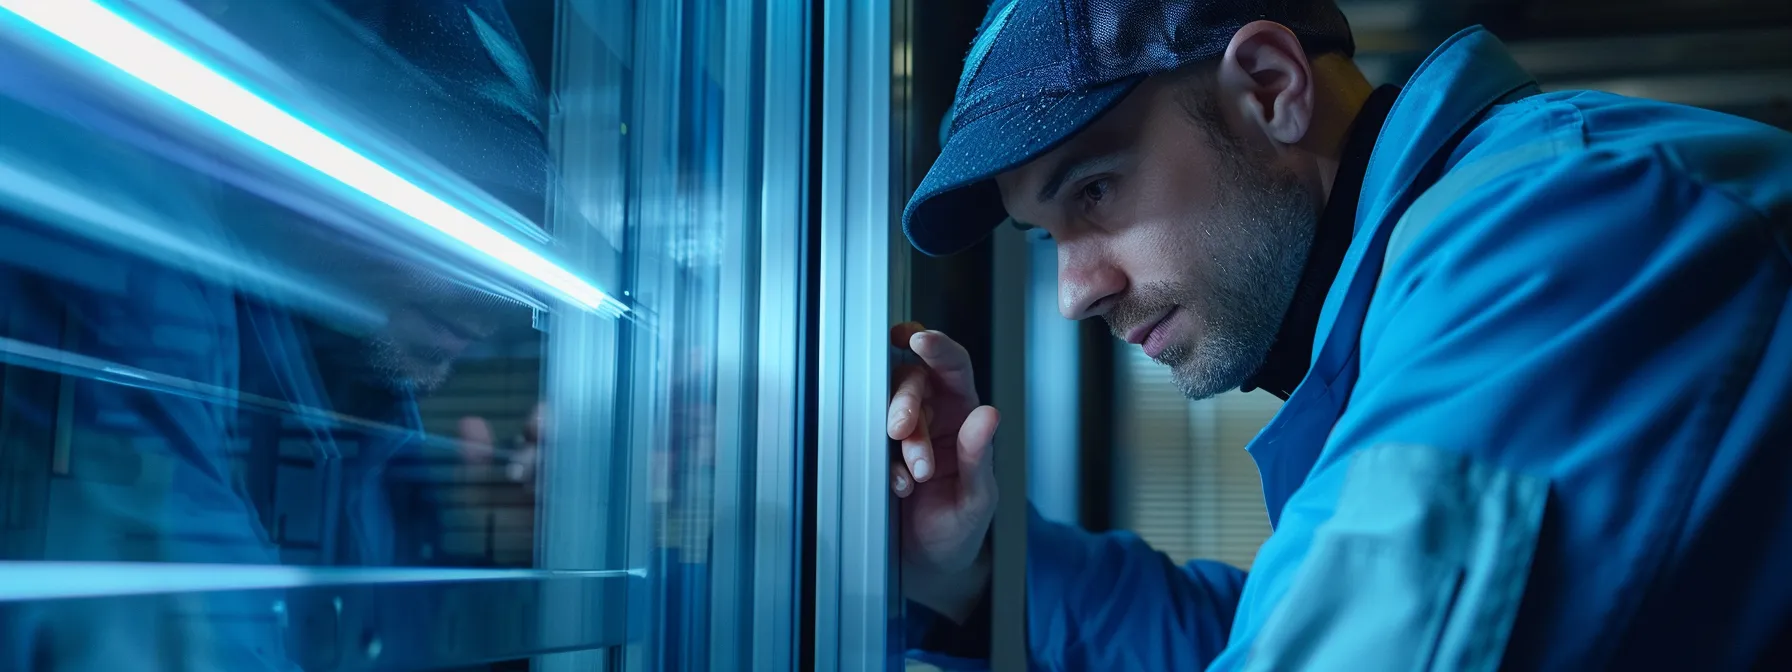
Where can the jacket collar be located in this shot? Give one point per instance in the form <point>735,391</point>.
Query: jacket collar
<point>1468,74</point>
<point>1292,354</point>
<point>1448,95</point>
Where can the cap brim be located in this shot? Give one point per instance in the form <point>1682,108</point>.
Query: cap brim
<point>958,203</point>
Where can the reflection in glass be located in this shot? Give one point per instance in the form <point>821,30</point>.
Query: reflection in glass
<point>326,342</point>
<point>215,357</point>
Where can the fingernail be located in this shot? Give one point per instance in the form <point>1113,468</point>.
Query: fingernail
<point>921,469</point>
<point>901,483</point>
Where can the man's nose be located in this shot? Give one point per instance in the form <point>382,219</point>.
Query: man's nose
<point>1087,285</point>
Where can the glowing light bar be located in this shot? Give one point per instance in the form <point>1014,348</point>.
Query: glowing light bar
<point>56,580</point>
<point>117,41</point>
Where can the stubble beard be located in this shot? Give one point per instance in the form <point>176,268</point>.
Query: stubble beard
<point>403,371</point>
<point>1256,250</point>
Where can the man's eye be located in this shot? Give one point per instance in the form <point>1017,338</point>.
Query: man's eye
<point>1093,192</point>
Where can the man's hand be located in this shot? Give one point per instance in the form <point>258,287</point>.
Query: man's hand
<point>943,471</point>
<point>478,451</point>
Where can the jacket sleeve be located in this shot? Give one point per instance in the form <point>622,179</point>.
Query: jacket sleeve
<point>1100,602</point>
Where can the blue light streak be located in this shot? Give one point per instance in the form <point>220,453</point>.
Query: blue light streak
<point>122,44</point>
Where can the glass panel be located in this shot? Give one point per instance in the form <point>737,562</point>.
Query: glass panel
<point>327,620</point>
<point>386,334</point>
<point>269,274</point>
<point>699,125</point>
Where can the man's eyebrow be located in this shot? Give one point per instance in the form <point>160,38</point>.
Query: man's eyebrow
<point>1070,170</point>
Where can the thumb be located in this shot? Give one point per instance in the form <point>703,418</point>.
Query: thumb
<point>976,441</point>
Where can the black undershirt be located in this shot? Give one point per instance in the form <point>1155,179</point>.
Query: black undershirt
<point>1292,354</point>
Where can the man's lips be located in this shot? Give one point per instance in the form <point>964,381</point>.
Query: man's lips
<point>1139,333</point>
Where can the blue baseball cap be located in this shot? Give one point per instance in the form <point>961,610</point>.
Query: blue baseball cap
<point>1042,70</point>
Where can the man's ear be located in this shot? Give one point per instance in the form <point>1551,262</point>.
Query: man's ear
<point>1265,75</point>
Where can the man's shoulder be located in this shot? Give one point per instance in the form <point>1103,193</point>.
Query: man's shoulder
<point>1745,160</point>
<point>1586,233</point>
<point>1574,168</point>
<point>1596,192</point>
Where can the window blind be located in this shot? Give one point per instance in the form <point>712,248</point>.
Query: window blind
<point>1186,484</point>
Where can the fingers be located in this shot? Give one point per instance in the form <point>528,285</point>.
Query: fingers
<point>522,465</point>
<point>949,360</point>
<point>476,438</point>
<point>976,469</point>
<point>907,401</point>
<point>900,482</point>
<point>917,452</point>
<point>909,420</point>
<point>909,415</point>
<point>901,333</point>
<point>532,426</point>
<point>916,464</point>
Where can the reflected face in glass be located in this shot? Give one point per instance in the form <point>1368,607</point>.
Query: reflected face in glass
<point>431,323</point>
<point>416,321</point>
<point>1188,239</point>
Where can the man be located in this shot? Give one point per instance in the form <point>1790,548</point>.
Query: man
<point>1535,348</point>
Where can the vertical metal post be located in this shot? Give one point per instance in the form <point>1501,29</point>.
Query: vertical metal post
<point>658,203</point>
<point>583,509</point>
<point>775,506</point>
<point>753,559</point>
<point>854,578</point>
<point>737,345</point>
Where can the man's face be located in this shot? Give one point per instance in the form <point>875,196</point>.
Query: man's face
<point>412,322</point>
<point>431,326</point>
<point>430,321</point>
<point>1186,236</point>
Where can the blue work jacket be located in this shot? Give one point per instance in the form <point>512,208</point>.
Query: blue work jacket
<point>1548,423</point>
